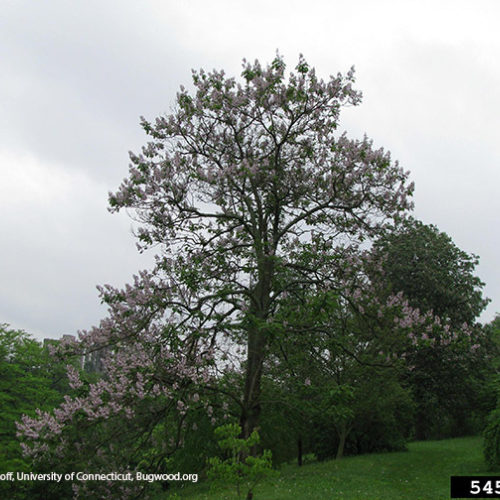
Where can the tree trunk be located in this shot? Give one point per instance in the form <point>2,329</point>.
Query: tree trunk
<point>343,432</point>
<point>251,399</point>
<point>257,340</point>
<point>299,451</point>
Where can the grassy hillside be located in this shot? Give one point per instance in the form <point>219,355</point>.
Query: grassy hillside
<point>421,473</point>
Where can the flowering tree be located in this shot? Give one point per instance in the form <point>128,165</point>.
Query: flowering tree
<point>250,195</point>
<point>133,417</point>
<point>238,182</point>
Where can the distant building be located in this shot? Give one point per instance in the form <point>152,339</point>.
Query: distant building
<point>91,362</point>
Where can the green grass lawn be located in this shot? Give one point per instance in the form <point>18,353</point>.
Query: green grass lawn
<point>421,473</point>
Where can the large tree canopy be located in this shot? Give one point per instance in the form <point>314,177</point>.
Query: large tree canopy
<point>242,180</point>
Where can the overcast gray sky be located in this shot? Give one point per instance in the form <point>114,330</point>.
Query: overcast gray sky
<point>75,77</point>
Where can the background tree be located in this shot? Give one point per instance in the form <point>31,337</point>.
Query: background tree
<point>29,379</point>
<point>493,331</point>
<point>438,278</point>
<point>492,391</point>
<point>433,273</point>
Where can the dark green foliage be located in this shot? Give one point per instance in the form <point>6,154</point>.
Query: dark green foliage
<point>492,430</point>
<point>492,332</point>
<point>382,413</point>
<point>432,272</point>
<point>436,276</point>
<point>333,392</point>
<point>199,442</point>
<point>492,440</point>
<point>451,392</point>
<point>285,426</point>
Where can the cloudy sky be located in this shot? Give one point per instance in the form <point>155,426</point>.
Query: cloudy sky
<point>76,76</point>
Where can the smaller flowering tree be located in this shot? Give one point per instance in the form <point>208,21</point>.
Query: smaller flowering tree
<point>134,416</point>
